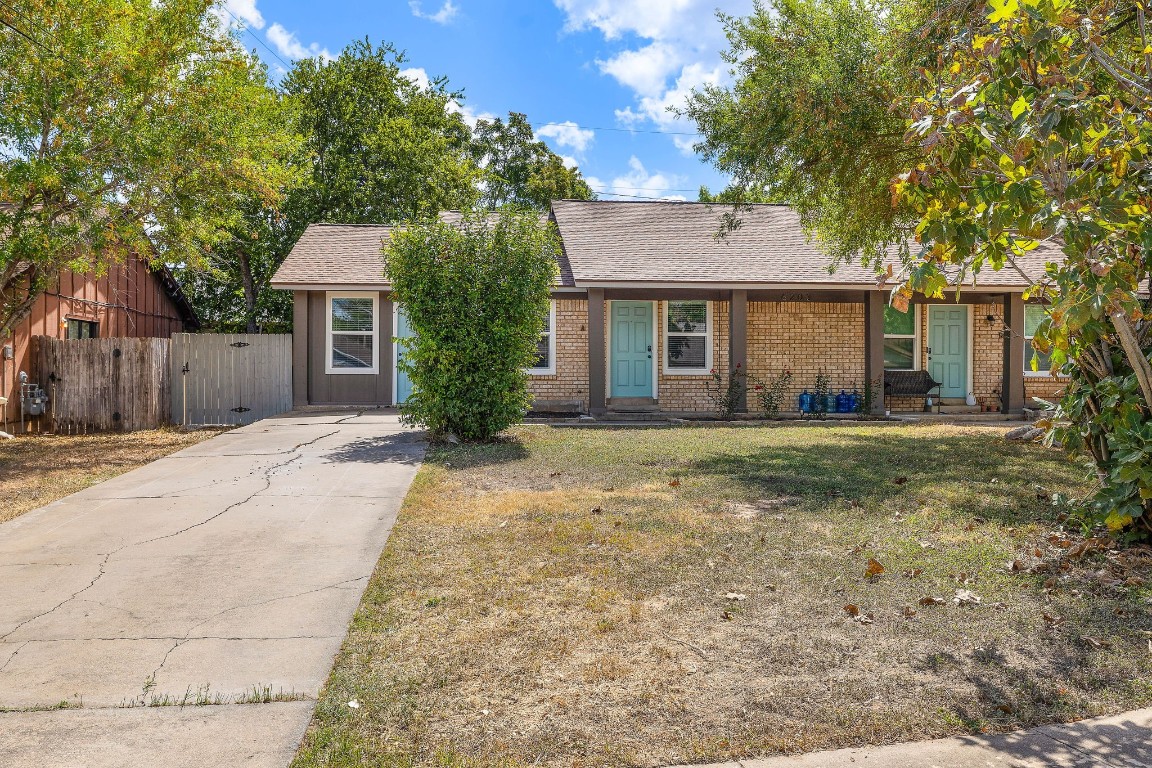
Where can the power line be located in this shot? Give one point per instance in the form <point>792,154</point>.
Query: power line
<point>245,28</point>
<point>25,17</point>
<point>25,35</point>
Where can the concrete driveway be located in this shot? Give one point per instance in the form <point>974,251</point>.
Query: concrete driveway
<point>227,572</point>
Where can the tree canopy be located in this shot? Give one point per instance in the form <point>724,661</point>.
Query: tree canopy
<point>962,135</point>
<point>378,148</point>
<point>521,170</point>
<point>126,126</point>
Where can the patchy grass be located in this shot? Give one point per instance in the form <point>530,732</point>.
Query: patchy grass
<point>38,469</point>
<point>563,598</point>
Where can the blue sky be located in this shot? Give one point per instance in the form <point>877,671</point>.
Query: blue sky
<point>594,76</point>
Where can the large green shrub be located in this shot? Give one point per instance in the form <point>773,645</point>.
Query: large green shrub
<point>476,297</point>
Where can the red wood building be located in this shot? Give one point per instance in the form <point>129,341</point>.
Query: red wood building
<point>131,300</point>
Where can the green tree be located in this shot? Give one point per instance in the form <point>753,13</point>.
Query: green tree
<point>1036,127</point>
<point>735,195</point>
<point>378,148</point>
<point>126,126</point>
<point>962,135</point>
<point>809,117</point>
<point>521,170</point>
<point>476,297</point>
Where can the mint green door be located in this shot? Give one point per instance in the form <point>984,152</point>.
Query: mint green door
<point>403,383</point>
<point>631,354</point>
<point>948,348</point>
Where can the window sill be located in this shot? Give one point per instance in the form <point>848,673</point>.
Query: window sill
<point>686,372</point>
<point>352,371</point>
<point>540,371</point>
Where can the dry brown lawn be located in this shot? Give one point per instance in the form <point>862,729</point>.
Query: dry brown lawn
<point>38,469</point>
<point>648,597</point>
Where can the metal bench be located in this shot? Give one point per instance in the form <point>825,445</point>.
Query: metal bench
<point>910,384</point>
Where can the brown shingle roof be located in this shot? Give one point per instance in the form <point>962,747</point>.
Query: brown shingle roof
<point>673,242</point>
<point>336,254</point>
<point>351,255</point>
<point>609,242</point>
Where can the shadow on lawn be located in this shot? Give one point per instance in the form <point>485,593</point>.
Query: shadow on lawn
<point>882,466</point>
<point>502,450</point>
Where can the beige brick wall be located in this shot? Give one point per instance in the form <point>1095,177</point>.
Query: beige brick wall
<point>681,393</point>
<point>570,382</point>
<point>805,338</point>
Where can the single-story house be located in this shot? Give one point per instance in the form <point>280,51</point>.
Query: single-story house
<point>649,300</point>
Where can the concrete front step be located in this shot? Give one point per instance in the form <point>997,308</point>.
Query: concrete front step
<point>954,409</point>
<point>647,414</point>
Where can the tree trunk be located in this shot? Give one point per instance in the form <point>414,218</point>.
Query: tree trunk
<point>251,292</point>
<point>1135,354</point>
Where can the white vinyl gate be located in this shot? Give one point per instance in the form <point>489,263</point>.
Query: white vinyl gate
<point>234,379</point>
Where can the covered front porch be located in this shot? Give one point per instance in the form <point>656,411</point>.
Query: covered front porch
<point>654,348</point>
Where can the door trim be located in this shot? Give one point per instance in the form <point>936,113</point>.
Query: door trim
<point>969,386</point>
<point>655,346</point>
<point>395,355</point>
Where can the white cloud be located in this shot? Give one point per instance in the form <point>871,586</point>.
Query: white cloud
<point>288,45</point>
<point>236,14</point>
<point>645,70</point>
<point>638,183</point>
<point>569,161</point>
<point>678,49</point>
<point>446,13</point>
<point>418,75</point>
<point>614,18</point>
<point>568,134</point>
<point>469,113</point>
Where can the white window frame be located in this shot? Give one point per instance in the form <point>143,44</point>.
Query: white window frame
<point>375,333</point>
<point>917,325</point>
<point>1043,373</point>
<point>550,369</point>
<point>709,336</point>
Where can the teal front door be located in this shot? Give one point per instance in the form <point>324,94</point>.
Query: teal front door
<point>948,348</point>
<point>403,383</point>
<point>632,344</point>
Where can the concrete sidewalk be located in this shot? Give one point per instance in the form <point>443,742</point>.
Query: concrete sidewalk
<point>227,572</point>
<point>1123,741</point>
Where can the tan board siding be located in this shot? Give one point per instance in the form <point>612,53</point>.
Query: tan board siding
<point>346,389</point>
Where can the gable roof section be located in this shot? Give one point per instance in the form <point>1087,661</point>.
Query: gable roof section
<point>669,243</point>
<point>337,255</point>
<point>350,255</point>
<point>610,243</point>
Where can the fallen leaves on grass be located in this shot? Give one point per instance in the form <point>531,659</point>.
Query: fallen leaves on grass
<point>1095,643</point>
<point>909,612</point>
<point>735,596</point>
<point>930,600</point>
<point>874,568</point>
<point>912,573</point>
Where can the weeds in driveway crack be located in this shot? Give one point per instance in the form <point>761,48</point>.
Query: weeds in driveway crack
<point>204,696</point>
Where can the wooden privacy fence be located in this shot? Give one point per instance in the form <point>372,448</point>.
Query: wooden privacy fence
<point>104,384</point>
<point>128,384</point>
<point>230,378</point>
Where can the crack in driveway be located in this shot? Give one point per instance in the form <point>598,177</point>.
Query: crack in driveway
<point>103,563</point>
<point>267,484</point>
